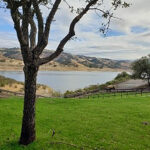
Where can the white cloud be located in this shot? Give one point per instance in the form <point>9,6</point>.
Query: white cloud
<point>8,40</point>
<point>129,45</point>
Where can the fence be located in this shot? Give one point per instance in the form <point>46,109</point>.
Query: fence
<point>110,93</point>
<point>119,92</point>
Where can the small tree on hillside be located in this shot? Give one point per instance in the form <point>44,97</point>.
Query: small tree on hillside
<point>33,34</point>
<point>123,75</point>
<point>141,68</point>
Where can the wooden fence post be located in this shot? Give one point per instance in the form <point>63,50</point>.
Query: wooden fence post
<point>141,92</point>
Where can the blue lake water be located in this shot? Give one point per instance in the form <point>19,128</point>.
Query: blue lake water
<point>65,80</point>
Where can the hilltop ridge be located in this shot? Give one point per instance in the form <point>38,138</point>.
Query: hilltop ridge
<point>11,57</point>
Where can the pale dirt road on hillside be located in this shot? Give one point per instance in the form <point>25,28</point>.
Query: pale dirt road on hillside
<point>130,84</point>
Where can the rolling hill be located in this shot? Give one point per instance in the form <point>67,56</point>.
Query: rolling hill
<point>66,61</point>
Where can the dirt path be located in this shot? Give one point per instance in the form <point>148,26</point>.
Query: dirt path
<point>130,84</point>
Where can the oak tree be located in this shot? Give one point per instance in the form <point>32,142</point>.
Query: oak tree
<point>33,33</point>
<point>141,68</point>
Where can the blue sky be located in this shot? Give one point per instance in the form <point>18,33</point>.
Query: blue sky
<point>139,29</point>
<point>127,38</point>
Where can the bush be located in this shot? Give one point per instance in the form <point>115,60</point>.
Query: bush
<point>2,84</point>
<point>7,81</point>
<point>2,60</point>
<point>122,75</point>
<point>15,86</point>
<point>57,94</point>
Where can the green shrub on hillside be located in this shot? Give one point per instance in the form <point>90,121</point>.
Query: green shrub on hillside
<point>2,60</point>
<point>5,81</point>
<point>122,75</point>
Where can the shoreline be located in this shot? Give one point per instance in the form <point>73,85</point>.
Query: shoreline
<point>67,70</point>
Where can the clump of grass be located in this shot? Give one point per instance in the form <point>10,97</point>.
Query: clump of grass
<point>2,60</point>
<point>21,89</point>
<point>41,86</point>
<point>15,86</point>
<point>11,60</point>
<point>44,87</point>
<point>7,81</point>
<point>2,84</point>
<point>56,94</point>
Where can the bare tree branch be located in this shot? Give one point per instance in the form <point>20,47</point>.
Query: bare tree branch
<point>13,3</point>
<point>16,18</point>
<point>18,27</point>
<point>39,19</point>
<point>43,43</point>
<point>23,43</point>
<point>25,20</point>
<point>32,33</point>
<point>70,34</point>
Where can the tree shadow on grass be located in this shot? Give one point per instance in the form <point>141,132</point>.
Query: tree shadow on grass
<point>34,146</point>
<point>14,145</point>
<point>42,145</point>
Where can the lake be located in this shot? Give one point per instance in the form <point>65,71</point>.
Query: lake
<point>65,80</point>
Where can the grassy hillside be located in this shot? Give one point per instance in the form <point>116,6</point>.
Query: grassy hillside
<point>16,86</point>
<point>66,61</point>
<point>100,124</point>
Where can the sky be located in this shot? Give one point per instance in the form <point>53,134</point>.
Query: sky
<point>127,39</point>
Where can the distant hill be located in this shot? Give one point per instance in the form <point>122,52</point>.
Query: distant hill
<point>68,61</point>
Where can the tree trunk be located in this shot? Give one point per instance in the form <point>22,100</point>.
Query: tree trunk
<point>28,134</point>
<point>148,82</point>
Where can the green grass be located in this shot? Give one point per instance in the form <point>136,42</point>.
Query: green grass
<point>112,123</point>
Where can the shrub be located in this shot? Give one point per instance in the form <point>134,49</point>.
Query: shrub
<point>122,75</point>
<point>15,86</point>
<point>2,84</point>
<point>5,81</point>
<point>57,94</point>
<point>2,60</point>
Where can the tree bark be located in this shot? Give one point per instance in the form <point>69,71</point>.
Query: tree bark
<point>28,123</point>
<point>149,82</point>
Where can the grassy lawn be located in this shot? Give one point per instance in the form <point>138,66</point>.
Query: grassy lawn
<point>112,123</point>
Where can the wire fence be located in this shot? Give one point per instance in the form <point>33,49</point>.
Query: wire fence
<point>112,93</point>
<point>95,93</point>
